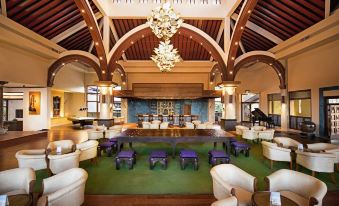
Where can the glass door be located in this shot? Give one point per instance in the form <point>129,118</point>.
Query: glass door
<point>332,113</point>
<point>249,101</point>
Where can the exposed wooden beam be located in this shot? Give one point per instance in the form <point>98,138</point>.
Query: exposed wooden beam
<point>327,8</point>
<point>221,30</point>
<point>73,29</point>
<point>92,43</point>
<point>106,33</point>
<point>240,42</point>
<point>260,30</point>
<point>116,37</point>
<point>3,8</point>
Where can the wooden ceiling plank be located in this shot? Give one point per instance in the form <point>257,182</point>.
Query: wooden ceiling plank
<point>311,8</point>
<point>53,31</point>
<point>69,32</point>
<point>49,12</point>
<point>20,11</point>
<point>11,4</point>
<point>253,41</point>
<point>262,31</point>
<point>75,36</point>
<point>116,36</point>
<point>262,38</point>
<point>271,28</point>
<point>3,8</point>
<point>290,11</point>
<point>240,42</point>
<point>76,44</point>
<point>267,20</point>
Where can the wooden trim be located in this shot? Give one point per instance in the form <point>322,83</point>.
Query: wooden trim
<point>146,32</point>
<point>3,8</point>
<point>255,184</point>
<point>313,201</point>
<point>31,186</point>
<point>236,37</point>
<point>91,22</point>
<point>267,181</point>
<point>275,64</point>
<point>58,64</point>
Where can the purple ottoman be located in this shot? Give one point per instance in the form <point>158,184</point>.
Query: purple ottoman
<point>187,156</point>
<point>158,156</point>
<point>218,157</point>
<point>107,146</point>
<point>240,147</point>
<point>127,156</point>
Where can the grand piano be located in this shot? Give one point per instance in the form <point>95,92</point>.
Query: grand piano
<point>260,117</point>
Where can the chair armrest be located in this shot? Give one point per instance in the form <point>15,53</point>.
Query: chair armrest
<point>87,145</point>
<point>53,157</point>
<point>55,193</point>
<point>319,155</point>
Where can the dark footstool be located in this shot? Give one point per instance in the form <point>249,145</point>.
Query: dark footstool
<point>128,157</point>
<point>158,156</point>
<point>241,147</point>
<point>218,157</point>
<point>107,146</point>
<point>187,156</point>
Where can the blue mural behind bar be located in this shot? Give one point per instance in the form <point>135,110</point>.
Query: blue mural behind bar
<point>138,106</point>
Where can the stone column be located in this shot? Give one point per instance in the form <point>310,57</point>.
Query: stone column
<point>2,83</point>
<point>229,119</point>
<point>106,104</point>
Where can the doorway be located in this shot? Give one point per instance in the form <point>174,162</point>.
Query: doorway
<point>187,109</point>
<point>332,116</point>
<point>249,102</point>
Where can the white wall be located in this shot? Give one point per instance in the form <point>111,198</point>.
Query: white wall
<point>12,106</point>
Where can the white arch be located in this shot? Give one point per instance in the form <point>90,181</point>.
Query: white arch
<point>79,52</point>
<point>253,53</point>
<point>184,25</point>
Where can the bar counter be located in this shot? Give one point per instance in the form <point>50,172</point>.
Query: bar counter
<point>166,118</point>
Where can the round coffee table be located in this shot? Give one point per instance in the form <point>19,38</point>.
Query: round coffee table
<point>20,200</point>
<point>263,199</point>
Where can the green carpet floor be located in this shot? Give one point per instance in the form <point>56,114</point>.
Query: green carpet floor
<point>105,179</point>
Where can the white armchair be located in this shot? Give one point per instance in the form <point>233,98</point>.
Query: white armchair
<point>303,189</point>
<point>274,153</point>
<point>266,134</point>
<point>239,129</point>
<point>249,135</point>
<point>109,134</point>
<point>60,163</point>
<point>201,126</point>
<point>35,159</point>
<point>196,122</point>
<point>66,188</point>
<point>258,128</point>
<point>64,144</point>
<point>164,125</point>
<point>17,181</point>
<point>116,127</point>
<point>328,148</point>
<point>189,125</point>
<point>230,180</point>
<point>95,135</point>
<point>154,126</point>
<point>146,125</point>
<point>88,150</point>
<point>156,122</point>
<point>286,142</point>
<point>317,162</point>
<point>231,201</point>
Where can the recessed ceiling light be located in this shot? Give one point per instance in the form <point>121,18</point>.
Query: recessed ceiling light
<point>231,72</point>
<point>103,71</point>
<point>90,27</point>
<point>82,10</point>
<point>233,58</point>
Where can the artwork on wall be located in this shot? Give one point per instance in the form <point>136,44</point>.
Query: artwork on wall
<point>34,103</point>
<point>56,106</point>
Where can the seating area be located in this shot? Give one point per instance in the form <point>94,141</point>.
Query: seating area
<point>169,102</point>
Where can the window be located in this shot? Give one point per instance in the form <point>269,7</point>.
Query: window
<point>218,107</point>
<point>274,108</point>
<point>300,108</point>
<point>93,100</point>
<point>117,104</point>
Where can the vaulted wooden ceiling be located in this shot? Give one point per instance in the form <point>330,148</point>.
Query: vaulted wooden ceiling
<point>282,18</point>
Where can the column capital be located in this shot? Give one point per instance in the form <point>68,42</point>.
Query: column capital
<point>106,84</point>
<point>229,84</point>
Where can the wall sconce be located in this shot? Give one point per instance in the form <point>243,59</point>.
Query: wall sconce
<point>283,101</point>
<point>230,99</point>
<point>103,98</point>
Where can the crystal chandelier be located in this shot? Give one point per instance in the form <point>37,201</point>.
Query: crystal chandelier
<point>166,56</point>
<point>164,22</point>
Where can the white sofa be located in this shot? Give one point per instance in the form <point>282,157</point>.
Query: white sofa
<point>17,181</point>
<point>249,135</point>
<point>64,144</point>
<point>239,129</point>
<point>189,125</point>
<point>230,180</point>
<point>156,122</point>
<point>60,163</point>
<point>196,122</point>
<point>66,188</point>
<point>328,148</point>
<point>88,150</point>
<point>209,125</point>
<point>286,142</point>
<point>95,135</point>
<point>317,162</point>
<point>231,201</point>
<point>35,159</point>
<point>267,135</point>
<point>303,189</point>
<point>274,153</point>
<point>109,134</point>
